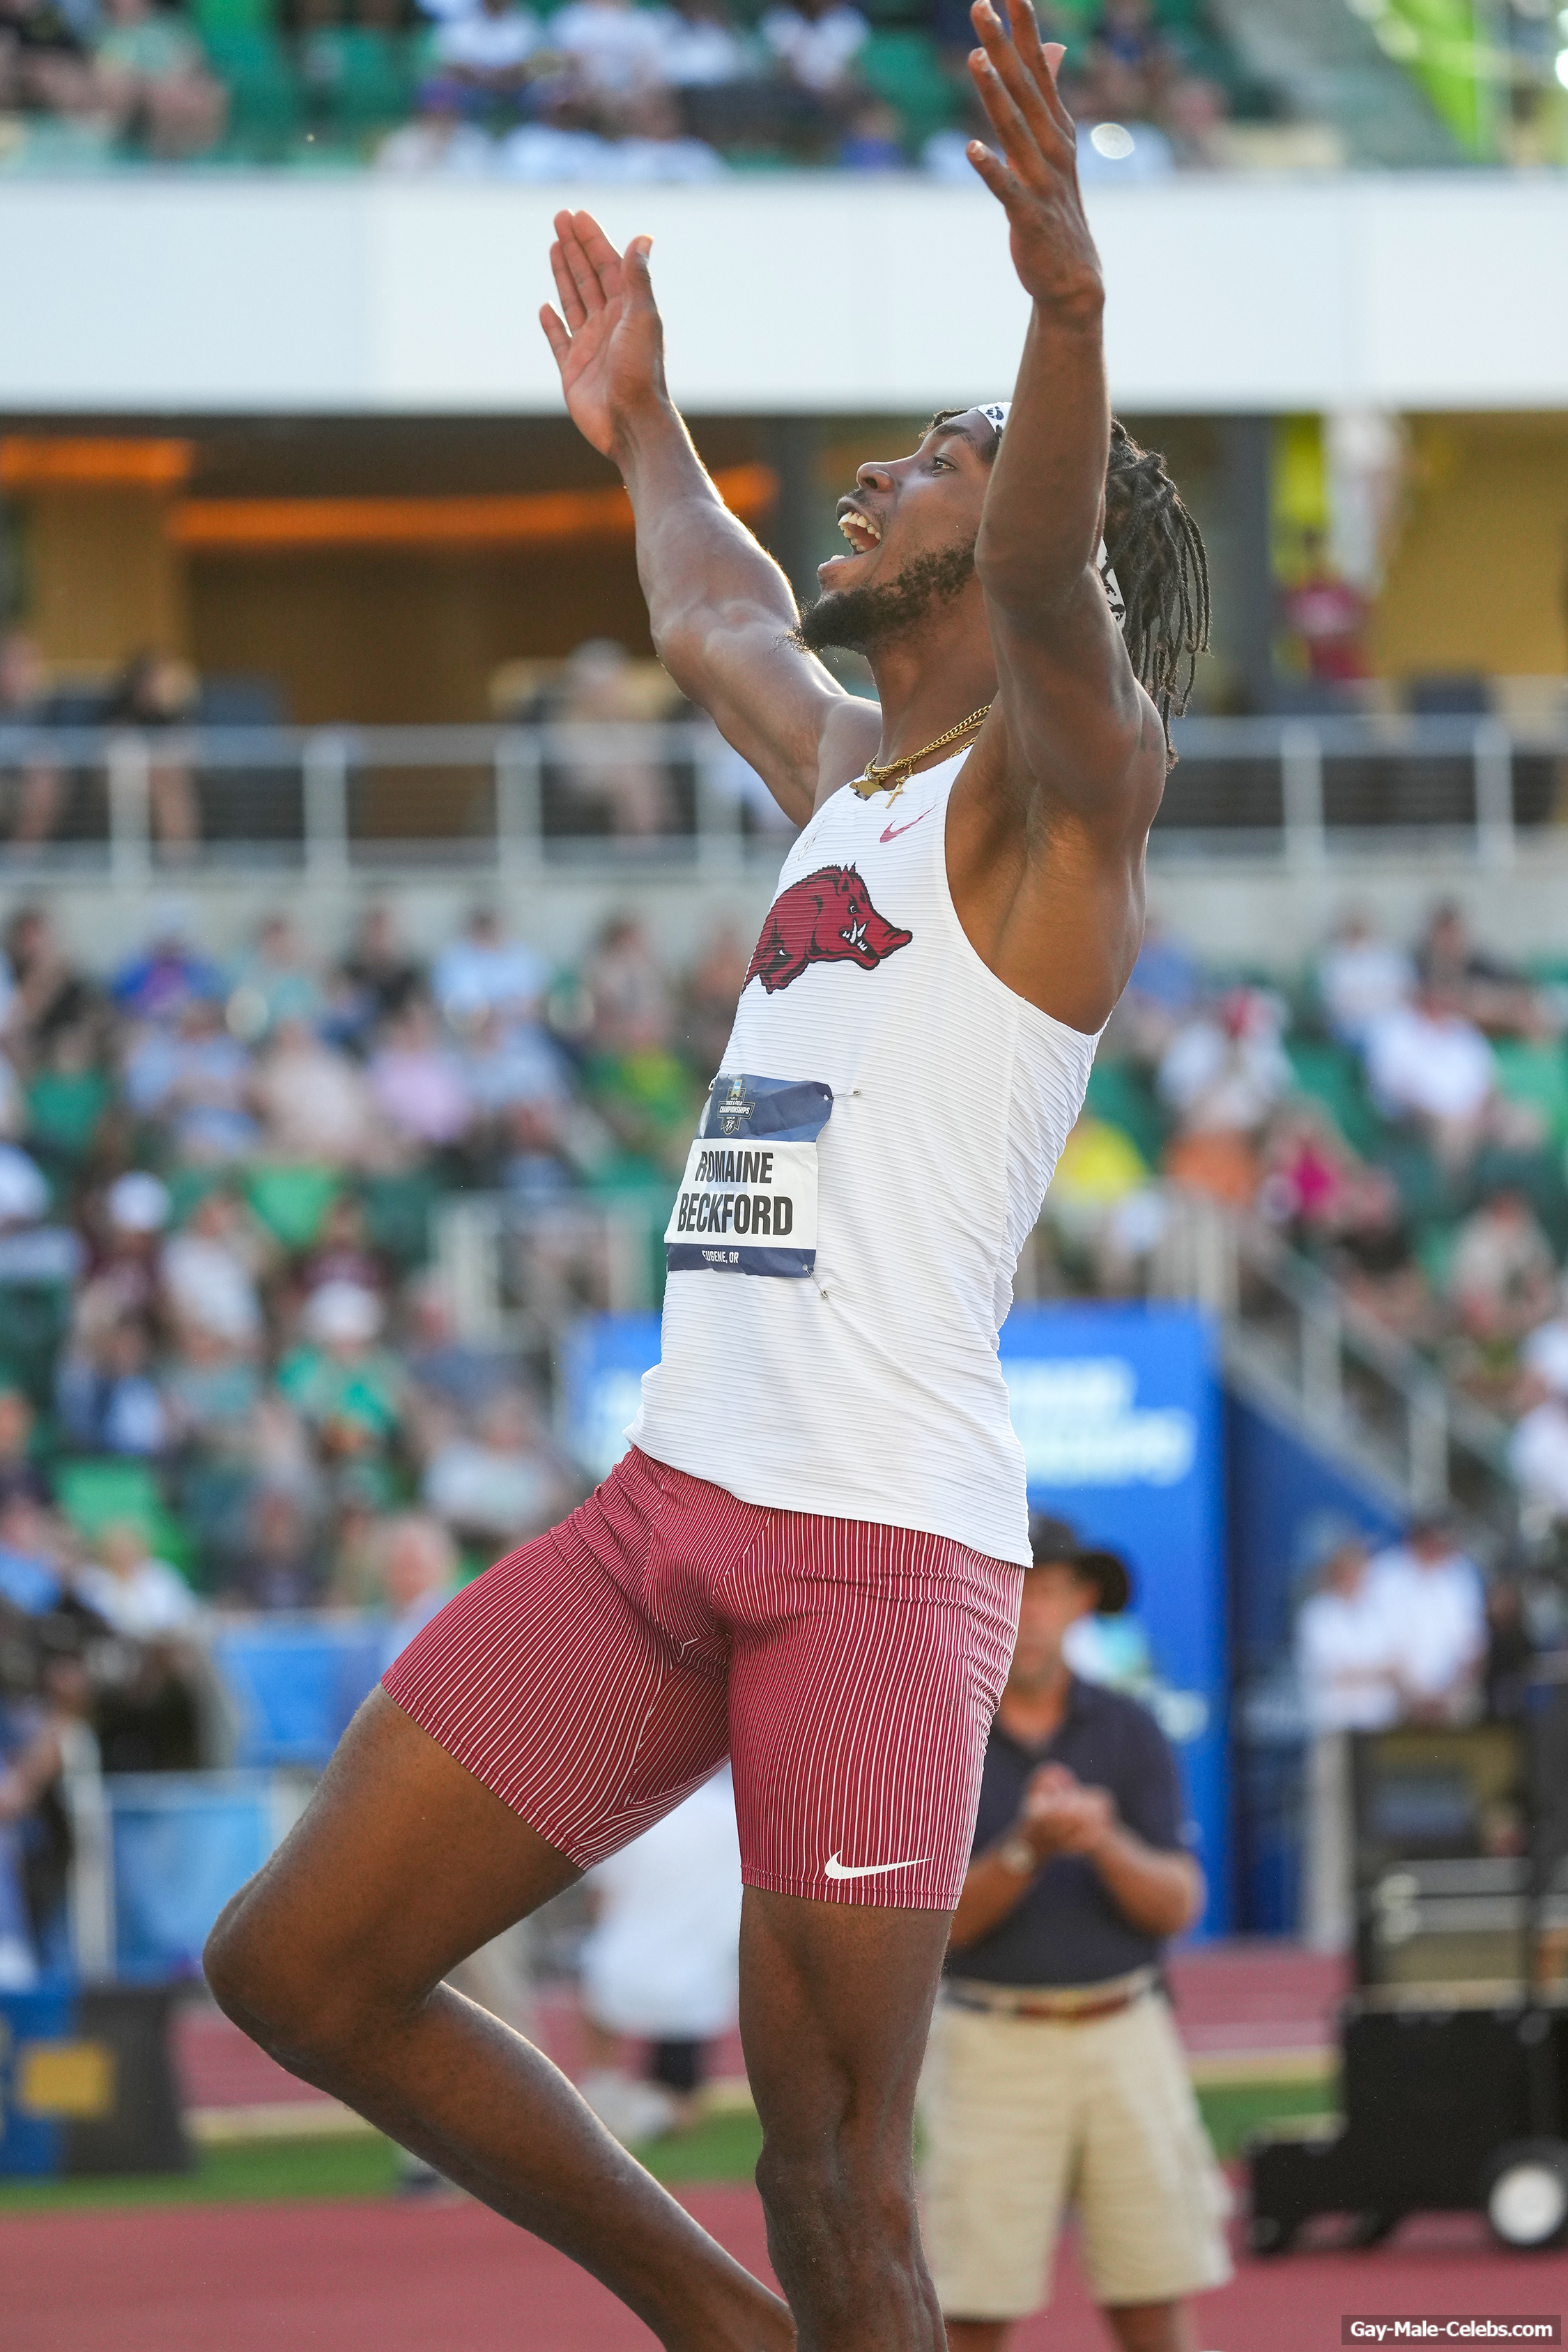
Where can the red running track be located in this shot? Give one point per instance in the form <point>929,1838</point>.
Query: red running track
<point>388,2278</point>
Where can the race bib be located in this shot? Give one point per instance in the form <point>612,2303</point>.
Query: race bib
<point>747,1202</point>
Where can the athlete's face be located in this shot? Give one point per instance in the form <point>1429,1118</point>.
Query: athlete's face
<point>909,528</point>
<point>1055,1597</point>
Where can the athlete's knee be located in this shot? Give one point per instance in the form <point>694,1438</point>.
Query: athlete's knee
<point>831,2196</point>
<point>270,1974</point>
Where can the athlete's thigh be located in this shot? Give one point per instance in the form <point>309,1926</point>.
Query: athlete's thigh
<point>402,1864</point>
<point>866,1666</point>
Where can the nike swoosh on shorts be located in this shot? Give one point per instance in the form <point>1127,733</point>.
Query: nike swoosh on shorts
<point>891,833</point>
<point>834,1868</point>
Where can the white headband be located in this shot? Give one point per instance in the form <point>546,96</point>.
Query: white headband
<point>996,413</point>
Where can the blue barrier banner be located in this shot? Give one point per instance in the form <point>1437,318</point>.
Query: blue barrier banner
<point>296,1682</point>
<point>31,2137</point>
<point>182,1842</point>
<point>1117,1408</point>
<point>602,1368</point>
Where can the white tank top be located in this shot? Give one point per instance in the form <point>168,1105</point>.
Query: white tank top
<point>871,1157</point>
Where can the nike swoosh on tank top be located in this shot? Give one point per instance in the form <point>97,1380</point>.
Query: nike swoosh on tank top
<point>873,1154</point>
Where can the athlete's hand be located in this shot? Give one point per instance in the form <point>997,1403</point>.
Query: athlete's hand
<point>1060,1815</point>
<point>609,342</point>
<point>1035,176</point>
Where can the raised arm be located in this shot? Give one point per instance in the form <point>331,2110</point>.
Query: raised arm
<point>721,610</point>
<point>1087,735</point>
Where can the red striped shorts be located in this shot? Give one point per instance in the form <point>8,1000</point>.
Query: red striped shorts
<point>850,1671</point>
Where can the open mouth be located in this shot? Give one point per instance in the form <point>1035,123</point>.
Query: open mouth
<point>859,529</point>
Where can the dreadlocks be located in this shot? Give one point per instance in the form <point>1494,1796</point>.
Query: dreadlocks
<point>1156,551</point>
<point>1157,554</point>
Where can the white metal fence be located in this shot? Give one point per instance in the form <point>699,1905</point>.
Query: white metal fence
<point>523,800</point>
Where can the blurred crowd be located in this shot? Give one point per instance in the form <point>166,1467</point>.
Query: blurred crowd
<point>230,1378</point>
<point>684,89</point>
<point>216,1186</point>
<point>1400,1117</point>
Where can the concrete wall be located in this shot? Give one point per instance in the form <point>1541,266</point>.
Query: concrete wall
<point>811,295</point>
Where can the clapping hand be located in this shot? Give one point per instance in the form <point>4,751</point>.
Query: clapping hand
<point>1060,1815</point>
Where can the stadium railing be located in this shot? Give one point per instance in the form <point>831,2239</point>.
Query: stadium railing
<point>332,800</point>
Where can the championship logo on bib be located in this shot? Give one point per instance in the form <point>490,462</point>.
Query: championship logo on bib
<point>747,1202</point>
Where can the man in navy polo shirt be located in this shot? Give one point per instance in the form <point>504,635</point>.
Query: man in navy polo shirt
<point>1054,2076</point>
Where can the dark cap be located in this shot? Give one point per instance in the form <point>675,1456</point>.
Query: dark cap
<point>1057,1540</point>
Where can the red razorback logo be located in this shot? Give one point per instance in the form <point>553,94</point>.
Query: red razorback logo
<point>828,918</point>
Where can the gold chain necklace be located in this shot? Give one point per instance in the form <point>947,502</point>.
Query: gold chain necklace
<point>874,779</point>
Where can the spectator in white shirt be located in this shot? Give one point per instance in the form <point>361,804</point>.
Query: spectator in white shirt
<point>1432,1597</point>
<point>661,1961</point>
<point>1426,1063</point>
<point>817,42</point>
<point>1347,1667</point>
<point>1538,1453</point>
<point>1226,1070</point>
<point>701,50</point>
<point>1502,1274</point>
<point>484,972</point>
<point>1543,1357</point>
<point>1361,977</point>
<point>485,56</point>
<point>615,48</point>
<point>135,1594</point>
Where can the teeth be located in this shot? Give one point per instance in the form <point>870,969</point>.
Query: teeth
<point>859,522</point>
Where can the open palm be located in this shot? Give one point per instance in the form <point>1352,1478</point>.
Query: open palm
<point>608,337</point>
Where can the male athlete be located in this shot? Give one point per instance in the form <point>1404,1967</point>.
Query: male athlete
<point>811,1555</point>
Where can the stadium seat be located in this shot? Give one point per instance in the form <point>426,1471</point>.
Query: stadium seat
<point>1536,1076</point>
<point>901,65</point>
<point>1331,1075</point>
<point>1118,1096</point>
<point>359,77</point>
<point>34,1319</point>
<point>97,1493</point>
<point>398,1214</point>
<point>220,16</point>
<point>292,1201</point>
<point>265,104</point>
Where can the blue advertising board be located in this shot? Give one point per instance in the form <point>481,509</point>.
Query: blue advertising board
<point>1117,1410</point>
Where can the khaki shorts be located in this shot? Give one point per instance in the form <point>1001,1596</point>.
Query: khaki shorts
<point>1023,2116</point>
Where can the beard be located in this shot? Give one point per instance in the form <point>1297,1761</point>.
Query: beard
<point>862,619</point>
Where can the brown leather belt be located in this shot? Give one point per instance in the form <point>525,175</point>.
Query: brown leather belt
<point>1071,2009</point>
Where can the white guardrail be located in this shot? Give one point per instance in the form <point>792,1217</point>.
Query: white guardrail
<point>335,800</point>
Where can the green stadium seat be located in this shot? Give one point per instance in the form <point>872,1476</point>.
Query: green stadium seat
<point>359,77</point>
<point>397,1211</point>
<point>266,102</point>
<point>1117,1094</point>
<point>901,67</point>
<point>1536,1076</point>
<point>1332,1075</point>
<point>221,17</point>
<point>292,1201</point>
<point>34,1319</point>
<point>97,1493</point>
